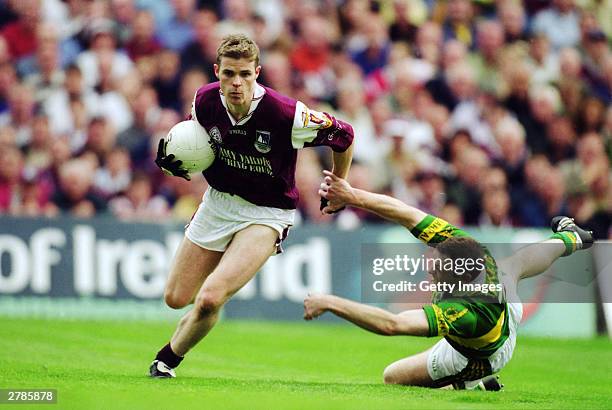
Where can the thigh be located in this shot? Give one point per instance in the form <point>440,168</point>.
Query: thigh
<point>245,255</point>
<point>191,265</point>
<point>410,371</point>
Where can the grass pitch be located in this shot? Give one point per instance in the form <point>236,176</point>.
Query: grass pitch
<point>102,365</point>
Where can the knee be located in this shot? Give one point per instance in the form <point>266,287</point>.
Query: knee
<point>209,302</point>
<point>176,300</point>
<point>390,376</point>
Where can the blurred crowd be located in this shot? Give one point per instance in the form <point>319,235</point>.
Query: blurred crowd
<point>490,113</point>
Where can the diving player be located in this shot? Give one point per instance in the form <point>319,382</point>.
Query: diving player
<point>479,330</point>
<point>250,205</point>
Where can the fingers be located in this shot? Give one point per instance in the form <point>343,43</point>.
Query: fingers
<point>331,175</point>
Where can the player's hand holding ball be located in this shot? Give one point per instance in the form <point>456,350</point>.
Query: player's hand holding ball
<point>314,306</point>
<point>335,193</point>
<point>168,163</point>
<point>186,149</point>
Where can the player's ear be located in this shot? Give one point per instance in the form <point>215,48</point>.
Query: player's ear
<point>216,68</point>
<point>257,70</point>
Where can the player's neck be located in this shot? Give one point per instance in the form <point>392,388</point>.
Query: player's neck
<point>239,111</point>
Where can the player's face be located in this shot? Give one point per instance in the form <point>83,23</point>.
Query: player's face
<point>237,78</point>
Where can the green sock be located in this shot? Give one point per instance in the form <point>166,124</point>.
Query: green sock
<point>569,240</point>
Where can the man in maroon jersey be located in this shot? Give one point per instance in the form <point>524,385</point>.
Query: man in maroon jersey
<point>246,212</point>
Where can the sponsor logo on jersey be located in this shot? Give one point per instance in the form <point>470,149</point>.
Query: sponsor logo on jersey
<point>262,141</point>
<point>215,134</point>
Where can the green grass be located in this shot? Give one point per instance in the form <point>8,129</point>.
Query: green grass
<point>278,366</point>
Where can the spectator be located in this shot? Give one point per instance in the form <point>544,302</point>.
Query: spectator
<point>100,138</point>
<point>142,41</point>
<point>116,174</point>
<point>496,210</point>
<point>11,168</point>
<point>375,54</point>
<point>277,73</point>
<point>458,24</point>
<point>20,113</point>
<point>561,139</point>
<point>20,35</point>
<point>102,45</point>
<point>591,115</point>
<point>139,203</point>
<point>201,52</point>
<point>596,57</point>
<point>429,41</point>
<point>510,137</point>
<point>48,75</point>
<point>543,63</point>
<point>470,165</point>
<point>167,82</point>
<point>454,53</point>
<point>176,32</point>
<point>486,62</point>
<point>402,28</point>
<point>570,83</point>
<point>544,103</point>
<point>75,195</point>
<point>560,23</point>
<point>136,139</point>
<point>512,17</point>
<point>38,151</point>
<point>543,196</point>
<point>311,55</point>
<point>432,190</point>
<point>124,13</point>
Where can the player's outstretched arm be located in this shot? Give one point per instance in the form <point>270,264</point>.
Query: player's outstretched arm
<point>373,319</point>
<point>340,193</point>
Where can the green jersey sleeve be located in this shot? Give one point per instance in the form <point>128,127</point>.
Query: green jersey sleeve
<point>432,230</point>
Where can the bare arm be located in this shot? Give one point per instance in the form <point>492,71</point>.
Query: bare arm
<point>342,162</point>
<point>340,193</point>
<point>373,319</point>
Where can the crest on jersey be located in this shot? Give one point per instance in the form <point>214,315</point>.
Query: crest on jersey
<point>320,119</point>
<point>215,135</point>
<point>262,141</point>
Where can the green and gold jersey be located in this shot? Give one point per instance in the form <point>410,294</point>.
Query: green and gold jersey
<point>475,324</point>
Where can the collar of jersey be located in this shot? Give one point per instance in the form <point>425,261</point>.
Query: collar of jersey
<point>257,97</point>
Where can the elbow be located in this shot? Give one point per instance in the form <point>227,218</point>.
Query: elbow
<point>343,136</point>
<point>391,327</point>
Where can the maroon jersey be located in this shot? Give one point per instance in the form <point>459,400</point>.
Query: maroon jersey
<point>256,156</point>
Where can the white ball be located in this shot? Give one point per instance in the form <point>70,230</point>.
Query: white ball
<point>190,143</point>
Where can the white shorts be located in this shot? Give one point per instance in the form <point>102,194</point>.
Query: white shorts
<point>444,361</point>
<point>221,215</point>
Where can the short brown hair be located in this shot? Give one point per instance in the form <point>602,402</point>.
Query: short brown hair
<point>459,247</point>
<point>238,46</point>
